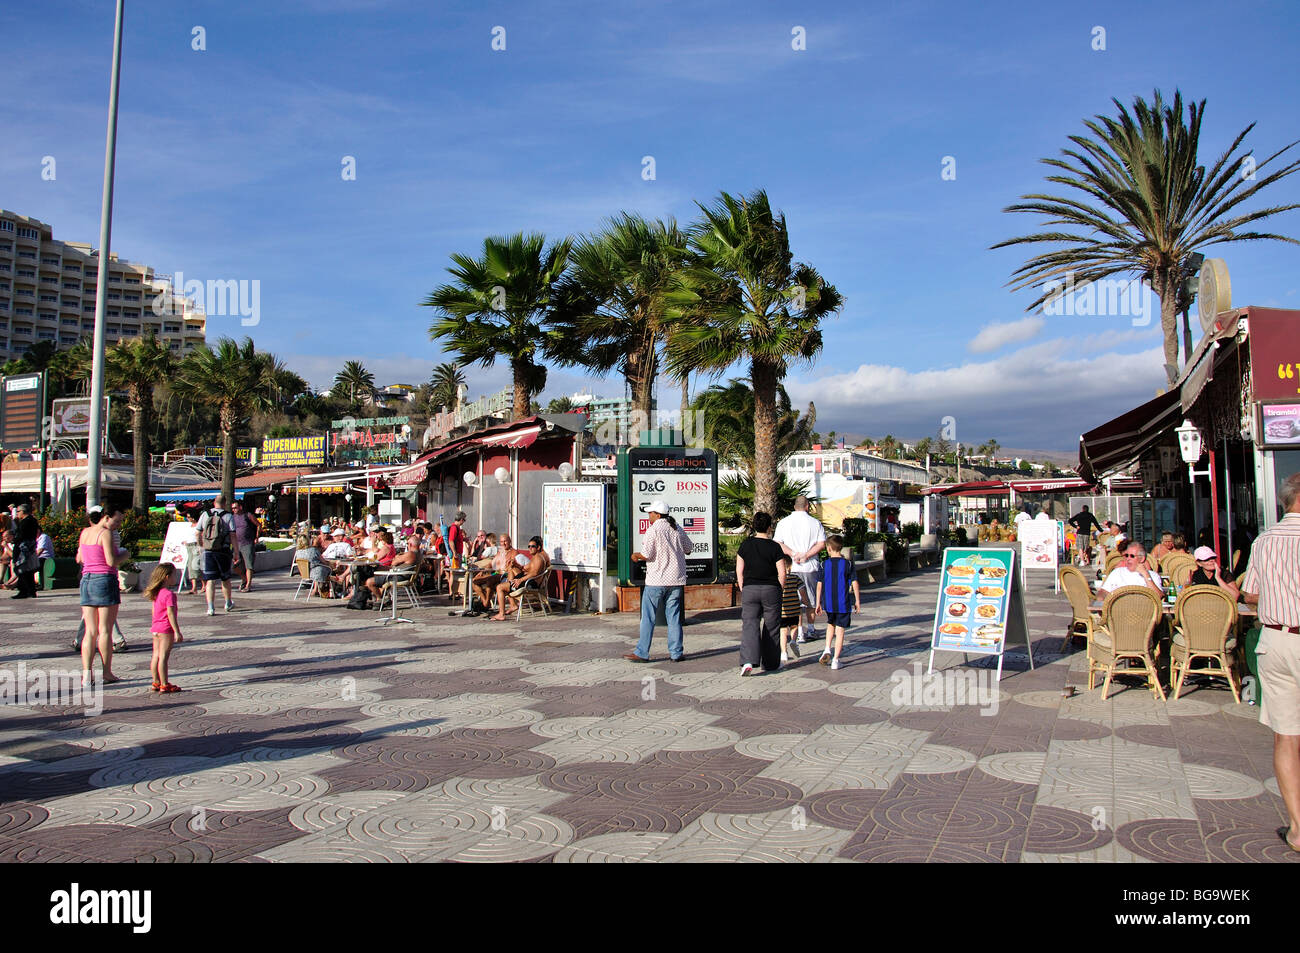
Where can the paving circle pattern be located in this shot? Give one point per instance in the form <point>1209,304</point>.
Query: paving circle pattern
<point>307,733</point>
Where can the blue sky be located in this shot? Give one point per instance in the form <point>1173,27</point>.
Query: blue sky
<point>229,164</point>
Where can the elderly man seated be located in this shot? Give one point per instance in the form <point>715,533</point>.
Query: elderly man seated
<point>1131,571</point>
<point>518,579</point>
<point>339,549</point>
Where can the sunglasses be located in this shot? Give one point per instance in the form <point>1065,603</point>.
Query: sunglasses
<point>1135,555</point>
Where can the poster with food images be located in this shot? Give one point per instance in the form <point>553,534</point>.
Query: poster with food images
<point>1038,544</point>
<point>974,599</point>
<point>871,506</point>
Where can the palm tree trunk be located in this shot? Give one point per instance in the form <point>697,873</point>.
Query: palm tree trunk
<point>140,449</point>
<point>686,400</point>
<point>765,480</point>
<point>1187,337</point>
<point>520,409</point>
<point>1163,287</point>
<point>641,380</point>
<point>227,455</point>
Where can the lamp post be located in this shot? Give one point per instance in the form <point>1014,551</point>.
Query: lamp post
<point>97,424</point>
<point>1189,445</point>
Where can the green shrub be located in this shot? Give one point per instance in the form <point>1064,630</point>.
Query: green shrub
<point>912,532</point>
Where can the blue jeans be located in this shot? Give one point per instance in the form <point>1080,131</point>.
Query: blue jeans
<point>652,597</point>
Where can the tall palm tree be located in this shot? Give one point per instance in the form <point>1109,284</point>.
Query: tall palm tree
<point>748,301</point>
<point>728,415</point>
<point>1146,205</point>
<point>136,365</point>
<point>230,378</point>
<point>613,305</point>
<point>357,382</point>
<point>499,306</point>
<point>283,386</point>
<point>447,380</point>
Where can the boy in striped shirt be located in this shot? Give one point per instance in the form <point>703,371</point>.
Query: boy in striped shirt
<point>833,587</point>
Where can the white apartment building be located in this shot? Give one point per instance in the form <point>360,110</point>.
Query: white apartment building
<point>48,288</point>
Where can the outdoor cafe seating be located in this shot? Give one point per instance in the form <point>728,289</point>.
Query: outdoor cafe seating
<point>1205,619</point>
<point>1128,623</point>
<point>1082,624</point>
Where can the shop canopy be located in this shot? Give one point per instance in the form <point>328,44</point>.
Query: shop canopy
<point>517,435</point>
<point>192,496</point>
<point>1003,487</point>
<point>1121,441</point>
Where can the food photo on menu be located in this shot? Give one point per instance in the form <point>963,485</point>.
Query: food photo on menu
<point>971,605</point>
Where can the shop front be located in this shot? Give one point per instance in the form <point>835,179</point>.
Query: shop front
<point>1213,451</point>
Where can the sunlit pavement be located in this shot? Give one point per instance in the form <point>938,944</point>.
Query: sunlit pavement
<point>306,731</point>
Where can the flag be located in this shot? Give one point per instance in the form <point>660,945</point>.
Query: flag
<point>693,524</point>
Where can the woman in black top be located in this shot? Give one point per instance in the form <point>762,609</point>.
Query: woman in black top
<point>1207,573</point>
<point>760,574</point>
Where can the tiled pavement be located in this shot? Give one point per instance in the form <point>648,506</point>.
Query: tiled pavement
<point>309,732</point>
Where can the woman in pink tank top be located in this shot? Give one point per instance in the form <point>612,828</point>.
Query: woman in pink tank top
<point>100,594</point>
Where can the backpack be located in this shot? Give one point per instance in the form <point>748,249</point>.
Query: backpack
<point>215,537</point>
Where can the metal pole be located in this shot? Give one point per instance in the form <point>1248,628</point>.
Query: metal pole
<point>99,426</point>
<point>1227,498</point>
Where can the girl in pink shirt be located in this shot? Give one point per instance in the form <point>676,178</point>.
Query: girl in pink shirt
<point>165,628</point>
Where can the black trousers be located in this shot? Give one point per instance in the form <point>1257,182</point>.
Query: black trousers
<point>760,620</point>
<point>26,580</point>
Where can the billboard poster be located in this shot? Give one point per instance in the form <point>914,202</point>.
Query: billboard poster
<point>293,451</point>
<point>573,526</point>
<point>687,480</point>
<point>1038,543</point>
<point>1279,425</point>
<point>871,506</point>
<point>974,595</point>
<point>70,418</point>
<point>178,534</point>
<point>22,403</point>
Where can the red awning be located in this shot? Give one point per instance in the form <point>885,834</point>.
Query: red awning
<point>1049,486</point>
<point>1119,442</point>
<point>515,440</point>
<point>415,473</point>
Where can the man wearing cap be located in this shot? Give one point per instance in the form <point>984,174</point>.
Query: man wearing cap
<point>1272,584</point>
<point>1207,572</point>
<point>663,549</point>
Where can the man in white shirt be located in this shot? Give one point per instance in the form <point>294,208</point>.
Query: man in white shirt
<point>340,548</point>
<point>1042,515</point>
<point>802,536</point>
<point>1132,571</point>
<point>1022,516</point>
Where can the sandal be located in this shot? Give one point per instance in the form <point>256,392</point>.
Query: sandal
<point>156,687</point>
<point>1285,834</point>
<point>169,688</point>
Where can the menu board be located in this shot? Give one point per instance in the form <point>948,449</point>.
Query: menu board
<point>974,601</point>
<point>573,525</point>
<point>178,534</point>
<point>1038,544</point>
<point>1279,425</point>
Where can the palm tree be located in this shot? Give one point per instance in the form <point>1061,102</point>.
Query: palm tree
<point>888,445</point>
<point>447,380</point>
<point>135,366</point>
<point>747,301</point>
<point>229,378</point>
<point>728,416</point>
<point>357,381</point>
<point>499,306</point>
<point>560,405</point>
<point>736,499</point>
<point>613,306</point>
<point>283,385</point>
<point>1147,206</point>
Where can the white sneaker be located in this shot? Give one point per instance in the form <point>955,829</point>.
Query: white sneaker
<point>835,664</point>
<point>746,669</point>
<point>211,611</point>
<point>784,658</point>
<point>230,605</point>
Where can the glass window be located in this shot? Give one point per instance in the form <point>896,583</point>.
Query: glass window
<point>1285,463</point>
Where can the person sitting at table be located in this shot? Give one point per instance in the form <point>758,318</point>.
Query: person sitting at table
<point>1207,572</point>
<point>501,553</point>
<point>317,571</point>
<point>339,549</point>
<point>410,558</point>
<point>508,589</point>
<point>1164,547</point>
<point>478,544</point>
<point>1131,571</point>
<point>363,576</point>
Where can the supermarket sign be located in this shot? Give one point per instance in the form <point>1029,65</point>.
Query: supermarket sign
<point>294,451</point>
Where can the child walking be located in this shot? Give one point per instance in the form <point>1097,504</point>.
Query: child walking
<point>165,627</point>
<point>837,579</point>
<point>793,603</point>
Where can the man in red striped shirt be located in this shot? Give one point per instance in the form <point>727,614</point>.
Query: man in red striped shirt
<point>1272,582</point>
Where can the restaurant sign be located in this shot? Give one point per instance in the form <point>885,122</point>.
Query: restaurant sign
<point>1274,360</point>
<point>369,446</point>
<point>1279,426</point>
<point>293,451</point>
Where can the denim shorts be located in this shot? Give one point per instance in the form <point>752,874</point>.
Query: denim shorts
<point>100,589</point>
<point>216,566</point>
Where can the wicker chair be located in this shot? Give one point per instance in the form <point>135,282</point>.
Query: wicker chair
<point>1180,571</point>
<point>1128,620</point>
<point>1076,589</point>
<point>1112,560</point>
<point>1204,618</point>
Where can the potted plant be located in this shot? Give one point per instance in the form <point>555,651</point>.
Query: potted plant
<point>128,575</point>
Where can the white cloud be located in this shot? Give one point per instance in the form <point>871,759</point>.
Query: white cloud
<point>994,337</point>
<point>1044,395</point>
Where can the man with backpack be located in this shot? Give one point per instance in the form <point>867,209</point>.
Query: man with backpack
<point>216,532</point>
